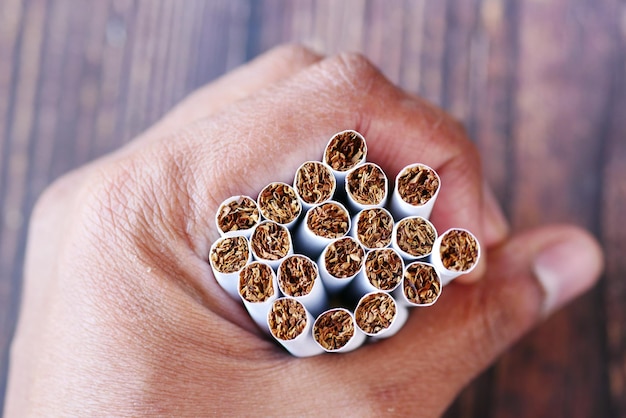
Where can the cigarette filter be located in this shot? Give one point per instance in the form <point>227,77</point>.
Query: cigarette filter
<point>237,215</point>
<point>271,243</point>
<point>335,331</point>
<point>258,288</point>
<point>290,324</point>
<point>378,315</point>
<point>228,255</point>
<point>456,252</point>
<point>415,193</point>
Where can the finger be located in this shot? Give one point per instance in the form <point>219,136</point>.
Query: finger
<point>529,277</point>
<point>277,64</point>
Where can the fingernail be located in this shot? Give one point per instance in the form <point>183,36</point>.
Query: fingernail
<point>566,269</point>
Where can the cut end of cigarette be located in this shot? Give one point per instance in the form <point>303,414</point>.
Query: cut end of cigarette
<point>374,228</point>
<point>279,203</point>
<point>297,276</point>
<point>422,285</point>
<point>344,258</point>
<point>415,236</point>
<point>270,241</point>
<point>328,220</point>
<point>230,255</point>
<point>314,183</point>
<point>333,329</point>
<point>366,184</point>
<point>375,313</point>
<point>459,250</point>
<point>256,282</point>
<point>239,214</point>
<point>417,184</point>
<point>384,269</point>
<point>345,150</point>
<point>286,319</point>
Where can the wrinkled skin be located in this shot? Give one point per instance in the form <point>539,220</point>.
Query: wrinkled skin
<point>121,315</point>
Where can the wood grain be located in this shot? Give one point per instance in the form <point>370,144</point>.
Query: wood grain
<point>539,84</point>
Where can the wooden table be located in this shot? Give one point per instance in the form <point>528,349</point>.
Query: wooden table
<point>540,85</point>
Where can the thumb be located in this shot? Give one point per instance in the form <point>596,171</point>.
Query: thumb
<point>528,277</point>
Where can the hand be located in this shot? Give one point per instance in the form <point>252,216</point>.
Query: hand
<point>121,315</point>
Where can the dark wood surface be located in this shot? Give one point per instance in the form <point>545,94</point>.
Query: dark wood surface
<point>540,85</point>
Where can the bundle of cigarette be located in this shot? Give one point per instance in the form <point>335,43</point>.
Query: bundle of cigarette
<point>338,256</point>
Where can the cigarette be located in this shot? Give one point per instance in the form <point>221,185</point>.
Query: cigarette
<point>271,243</point>
<point>340,262</point>
<point>335,331</point>
<point>279,202</point>
<point>456,252</point>
<point>322,224</point>
<point>366,187</point>
<point>298,277</point>
<point>228,256</point>
<point>414,237</point>
<point>373,228</point>
<point>237,215</point>
<point>314,183</point>
<point>415,192</point>
<point>258,288</point>
<point>421,285</point>
<point>345,150</point>
<point>383,270</point>
<point>289,323</point>
<point>378,315</point>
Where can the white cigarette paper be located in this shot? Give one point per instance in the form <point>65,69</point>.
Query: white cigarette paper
<point>455,252</point>
<point>290,324</point>
<point>322,224</point>
<point>335,331</point>
<point>278,202</point>
<point>237,215</point>
<point>314,183</point>
<point>340,262</point>
<point>366,187</point>
<point>421,285</point>
<point>382,270</point>
<point>271,243</point>
<point>298,277</point>
<point>373,228</point>
<point>258,288</point>
<point>414,237</point>
<point>416,190</point>
<point>378,315</point>
<point>344,151</point>
<point>228,256</point>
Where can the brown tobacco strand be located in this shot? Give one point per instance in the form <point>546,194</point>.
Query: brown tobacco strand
<point>230,254</point>
<point>328,220</point>
<point>297,276</point>
<point>375,313</point>
<point>279,203</point>
<point>239,214</point>
<point>256,282</point>
<point>374,228</point>
<point>270,241</point>
<point>417,185</point>
<point>314,182</point>
<point>421,284</point>
<point>383,268</point>
<point>333,329</point>
<point>415,236</point>
<point>344,258</point>
<point>345,150</point>
<point>287,319</point>
<point>459,250</point>
<point>366,184</point>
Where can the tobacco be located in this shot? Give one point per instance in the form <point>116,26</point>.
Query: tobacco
<point>344,258</point>
<point>375,313</point>
<point>333,329</point>
<point>240,214</point>
<point>270,241</point>
<point>328,220</point>
<point>278,202</point>
<point>417,184</point>
<point>345,150</point>
<point>421,284</point>
<point>383,269</point>
<point>314,182</point>
<point>297,276</point>
<point>366,184</point>
<point>287,319</point>
<point>230,254</point>
<point>374,228</point>
<point>415,236</point>
<point>256,282</point>
<point>459,250</point>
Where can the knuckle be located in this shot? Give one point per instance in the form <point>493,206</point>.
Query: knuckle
<point>294,53</point>
<point>354,72</point>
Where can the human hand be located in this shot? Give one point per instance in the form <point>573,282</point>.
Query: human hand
<point>121,314</point>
